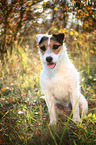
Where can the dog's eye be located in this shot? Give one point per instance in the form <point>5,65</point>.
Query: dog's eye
<point>55,47</point>
<point>43,48</point>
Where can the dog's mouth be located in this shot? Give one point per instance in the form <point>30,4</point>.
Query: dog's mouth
<point>51,65</point>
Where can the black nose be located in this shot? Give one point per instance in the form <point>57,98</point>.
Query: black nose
<point>49,59</point>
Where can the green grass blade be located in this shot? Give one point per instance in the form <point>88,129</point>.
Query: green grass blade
<point>68,122</point>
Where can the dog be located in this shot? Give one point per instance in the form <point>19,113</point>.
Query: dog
<point>59,78</point>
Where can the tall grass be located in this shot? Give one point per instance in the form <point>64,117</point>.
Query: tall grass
<point>23,112</point>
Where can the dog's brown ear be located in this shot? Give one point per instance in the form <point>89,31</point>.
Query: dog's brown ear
<point>43,39</point>
<point>59,37</point>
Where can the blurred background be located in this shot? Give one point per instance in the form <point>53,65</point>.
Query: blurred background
<point>23,114</point>
<point>21,20</point>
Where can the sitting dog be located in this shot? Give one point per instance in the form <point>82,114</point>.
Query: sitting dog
<point>59,79</point>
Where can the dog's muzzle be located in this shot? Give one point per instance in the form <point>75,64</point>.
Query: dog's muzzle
<point>50,63</point>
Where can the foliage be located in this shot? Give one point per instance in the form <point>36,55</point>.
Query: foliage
<point>20,19</point>
<point>23,113</point>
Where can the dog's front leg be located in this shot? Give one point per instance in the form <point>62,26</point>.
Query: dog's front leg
<point>50,101</point>
<point>75,105</point>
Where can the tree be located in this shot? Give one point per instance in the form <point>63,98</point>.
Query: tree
<point>18,18</point>
<point>23,18</point>
<point>82,10</point>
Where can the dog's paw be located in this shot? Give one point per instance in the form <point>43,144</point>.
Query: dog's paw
<point>52,122</point>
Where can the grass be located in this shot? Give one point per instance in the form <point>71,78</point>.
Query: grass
<point>23,113</point>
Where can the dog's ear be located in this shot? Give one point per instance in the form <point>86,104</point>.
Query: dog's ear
<point>41,38</point>
<point>38,38</point>
<point>59,37</point>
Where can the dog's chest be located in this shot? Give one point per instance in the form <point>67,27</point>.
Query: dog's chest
<point>61,88</point>
<point>58,85</point>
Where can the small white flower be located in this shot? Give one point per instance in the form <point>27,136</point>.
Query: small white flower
<point>20,112</point>
<point>36,113</point>
<point>42,97</point>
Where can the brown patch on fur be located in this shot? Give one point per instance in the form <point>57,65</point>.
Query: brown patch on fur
<point>45,43</point>
<point>50,46</point>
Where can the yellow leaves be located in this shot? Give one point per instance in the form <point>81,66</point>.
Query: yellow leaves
<point>30,4</point>
<point>27,8</point>
<point>75,16</point>
<point>61,16</point>
<point>92,51</point>
<point>83,60</point>
<point>65,13</point>
<point>88,8</point>
<point>67,8</point>
<point>37,132</point>
<point>75,9</point>
<point>73,1</point>
<point>37,6</point>
<point>7,88</point>
<point>44,3</point>
<point>76,33</point>
<point>84,35</point>
<point>62,31</point>
<point>3,89</point>
<point>91,90</point>
<point>87,14</point>
<point>55,8</point>
<point>94,116</point>
<point>90,115</point>
<point>71,33</point>
<point>79,11</point>
<point>27,1</point>
<point>13,65</point>
<point>55,29</point>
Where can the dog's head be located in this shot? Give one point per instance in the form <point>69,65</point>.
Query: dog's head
<point>50,47</point>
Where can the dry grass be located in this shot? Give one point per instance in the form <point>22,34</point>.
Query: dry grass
<point>23,113</point>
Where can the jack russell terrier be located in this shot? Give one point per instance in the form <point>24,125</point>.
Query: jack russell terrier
<point>59,79</point>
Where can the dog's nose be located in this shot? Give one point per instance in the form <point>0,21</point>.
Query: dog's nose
<point>49,59</point>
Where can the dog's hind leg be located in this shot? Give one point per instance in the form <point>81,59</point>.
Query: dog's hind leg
<point>83,104</point>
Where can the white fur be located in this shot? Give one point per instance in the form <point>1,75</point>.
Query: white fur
<point>62,84</point>
<point>39,36</point>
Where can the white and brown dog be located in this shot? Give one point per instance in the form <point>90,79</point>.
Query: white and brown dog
<point>59,79</point>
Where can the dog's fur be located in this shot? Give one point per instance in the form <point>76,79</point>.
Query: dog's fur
<point>59,79</point>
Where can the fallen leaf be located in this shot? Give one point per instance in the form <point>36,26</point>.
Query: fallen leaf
<point>55,8</point>
<point>3,89</point>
